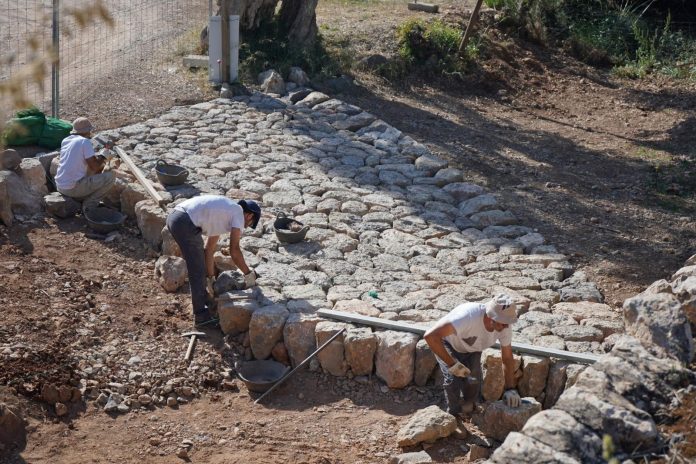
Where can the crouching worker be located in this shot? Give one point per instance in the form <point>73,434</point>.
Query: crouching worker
<point>77,156</point>
<point>457,341</point>
<point>212,216</point>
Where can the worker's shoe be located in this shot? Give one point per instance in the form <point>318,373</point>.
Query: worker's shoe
<point>206,321</point>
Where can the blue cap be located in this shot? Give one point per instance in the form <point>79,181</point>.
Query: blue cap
<point>250,206</point>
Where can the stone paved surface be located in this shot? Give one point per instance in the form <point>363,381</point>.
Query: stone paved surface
<point>387,217</point>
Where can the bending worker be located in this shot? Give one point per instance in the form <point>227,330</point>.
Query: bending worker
<point>457,341</point>
<point>76,157</point>
<point>212,216</point>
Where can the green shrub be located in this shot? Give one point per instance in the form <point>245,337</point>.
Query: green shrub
<point>634,36</point>
<point>432,44</point>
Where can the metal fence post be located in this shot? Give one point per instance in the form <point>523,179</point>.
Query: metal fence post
<point>55,67</point>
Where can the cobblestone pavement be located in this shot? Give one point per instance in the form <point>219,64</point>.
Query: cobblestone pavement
<point>386,216</point>
<point>395,233</point>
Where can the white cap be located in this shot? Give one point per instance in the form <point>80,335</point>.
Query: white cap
<point>502,309</point>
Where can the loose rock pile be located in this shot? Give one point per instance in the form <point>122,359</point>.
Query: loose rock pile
<point>628,392</point>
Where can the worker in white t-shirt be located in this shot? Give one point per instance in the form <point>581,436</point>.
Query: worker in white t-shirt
<point>457,341</point>
<point>77,158</point>
<point>212,216</point>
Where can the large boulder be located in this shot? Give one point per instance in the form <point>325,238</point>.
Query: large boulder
<point>493,384</point>
<point>10,160</point>
<point>170,272</point>
<point>169,245</point>
<point>534,373</point>
<point>332,358</point>
<point>660,323</point>
<point>684,288</point>
<point>298,76</point>
<point>33,174</point>
<point>266,329</point>
<point>561,431</point>
<point>299,337</point>
<point>426,425</point>
<point>61,206</point>
<point>395,359</point>
<point>425,363</point>
<point>519,448</point>
<point>272,82</point>
<point>21,198</point>
<point>360,345</point>
<point>499,419</point>
<point>605,411</point>
<point>235,314</point>
<point>555,385</point>
<point>131,195</point>
<point>151,219</point>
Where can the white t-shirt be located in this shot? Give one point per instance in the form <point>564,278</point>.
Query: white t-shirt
<point>214,214</point>
<point>72,164</point>
<point>471,335</point>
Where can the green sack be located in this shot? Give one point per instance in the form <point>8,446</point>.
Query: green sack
<point>54,132</point>
<point>33,111</point>
<point>24,131</point>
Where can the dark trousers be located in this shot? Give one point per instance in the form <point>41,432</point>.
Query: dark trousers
<point>190,240</point>
<point>457,388</point>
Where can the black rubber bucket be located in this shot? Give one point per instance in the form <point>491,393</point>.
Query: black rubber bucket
<point>261,375</point>
<point>282,226</point>
<point>104,220</point>
<point>170,174</point>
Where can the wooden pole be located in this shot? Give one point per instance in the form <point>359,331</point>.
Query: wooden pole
<point>141,178</point>
<point>470,27</point>
<point>225,37</point>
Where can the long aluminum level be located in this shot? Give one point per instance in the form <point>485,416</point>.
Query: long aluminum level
<point>524,348</point>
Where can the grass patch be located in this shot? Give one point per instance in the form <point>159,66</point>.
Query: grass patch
<point>189,43</point>
<point>431,47</point>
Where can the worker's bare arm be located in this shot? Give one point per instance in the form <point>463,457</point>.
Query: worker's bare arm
<point>434,337</point>
<point>210,244</point>
<point>508,366</point>
<point>236,251</point>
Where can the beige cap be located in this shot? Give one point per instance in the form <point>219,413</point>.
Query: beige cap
<point>81,126</point>
<point>502,309</point>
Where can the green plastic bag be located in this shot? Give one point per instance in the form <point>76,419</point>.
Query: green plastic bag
<point>24,130</point>
<point>54,132</point>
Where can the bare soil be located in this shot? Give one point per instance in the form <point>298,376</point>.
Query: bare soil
<point>596,164</point>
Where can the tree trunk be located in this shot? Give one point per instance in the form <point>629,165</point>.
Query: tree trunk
<point>300,19</point>
<point>252,13</point>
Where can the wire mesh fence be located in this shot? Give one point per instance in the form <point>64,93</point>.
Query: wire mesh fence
<point>144,38</point>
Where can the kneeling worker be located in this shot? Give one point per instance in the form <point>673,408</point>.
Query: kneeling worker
<point>458,339</point>
<point>76,157</point>
<point>212,216</point>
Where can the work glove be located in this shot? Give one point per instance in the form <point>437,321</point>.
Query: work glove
<point>210,282</point>
<point>512,398</point>
<point>250,278</point>
<point>459,369</point>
